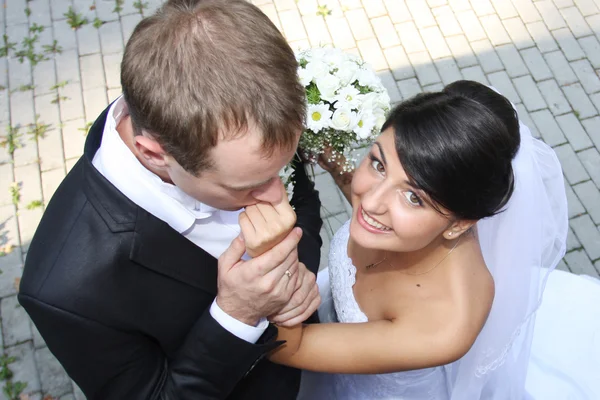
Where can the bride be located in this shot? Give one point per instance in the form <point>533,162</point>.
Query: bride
<point>458,217</point>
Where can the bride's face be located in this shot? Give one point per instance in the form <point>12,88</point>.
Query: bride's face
<point>388,212</point>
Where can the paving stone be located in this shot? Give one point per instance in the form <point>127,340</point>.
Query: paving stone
<point>359,24</point>
<point>589,195</point>
<point>470,25</point>
<point>529,93</point>
<point>410,37</point>
<point>587,7</point>
<point>47,111</point>
<point>564,3</point>
<point>542,37</point>
<point>67,66</point>
<point>15,324</point>
<point>495,30</point>
<point>384,30</point>
<point>437,3</point>
<point>92,72</point>
<point>568,44</point>
<point>128,24</point>
<point>576,22</point>
<point>112,69</point>
<point>461,50</point>
<point>475,73</point>
<point>591,47</point>
<point>23,103</point>
<point>448,70</point>
<point>518,33</point>
<point>50,181</point>
<point>399,63</point>
<point>73,138</point>
<point>504,9</point>
<point>325,236</point>
<point>595,98</point>
<point>575,206</point>
<point>560,68</point>
<point>111,39</point>
<point>77,391</point>
<point>6,179</point>
<point>424,68</point>
<point>557,102</point>
<point>594,24</point>
<point>591,161</point>
<point>446,21</point>
<point>374,8</point>
<point>24,369</point>
<point>88,40</point>
<point>50,150</point>
<point>390,85</point>
<point>283,5</point>
<point>38,341</point>
<point>588,235</point>
<point>459,5</point>
<point>488,59</point>
<point>397,11</point>
<point>574,132</point>
<point>421,13</point>
<point>44,77</point>
<point>371,53</point>
<point>55,381</point>
<point>340,33</point>
<point>483,7</point>
<point>552,17</point>
<point>579,101</point>
<point>71,102</point>
<point>526,119</point>
<point>28,223</point>
<point>572,241</point>
<point>502,82</point>
<point>95,102</point>
<point>592,126</point>
<point>436,87</point>
<point>409,87</point>
<point>536,64</point>
<point>329,195</point>
<point>580,264</point>
<point>527,10</point>
<point>571,164</point>
<point>587,76</point>
<point>435,43</point>
<point>14,12</point>
<point>548,128</point>
<point>512,60</point>
<point>562,266</point>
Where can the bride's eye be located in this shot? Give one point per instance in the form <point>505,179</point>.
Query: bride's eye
<point>412,198</point>
<point>376,164</point>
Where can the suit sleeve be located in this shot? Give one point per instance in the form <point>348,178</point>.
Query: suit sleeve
<point>109,363</point>
<point>305,201</point>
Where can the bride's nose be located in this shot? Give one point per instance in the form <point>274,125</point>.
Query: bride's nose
<point>374,200</point>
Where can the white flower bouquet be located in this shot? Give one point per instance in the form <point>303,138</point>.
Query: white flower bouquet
<point>347,103</point>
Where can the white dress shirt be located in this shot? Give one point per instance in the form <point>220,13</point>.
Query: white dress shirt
<point>209,228</point>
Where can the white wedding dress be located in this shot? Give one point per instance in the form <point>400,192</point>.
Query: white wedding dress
<point>565,354</point>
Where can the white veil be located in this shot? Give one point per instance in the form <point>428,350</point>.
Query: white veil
<point>521,246</point>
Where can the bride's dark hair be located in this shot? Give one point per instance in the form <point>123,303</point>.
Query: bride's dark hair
<point>457,146</point>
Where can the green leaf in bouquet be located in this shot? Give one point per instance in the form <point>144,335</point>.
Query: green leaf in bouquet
<point>313,95</point>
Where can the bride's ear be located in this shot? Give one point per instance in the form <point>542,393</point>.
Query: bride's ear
<point>457,228</point>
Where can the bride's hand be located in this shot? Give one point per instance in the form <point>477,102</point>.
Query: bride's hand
<point>265,225</point>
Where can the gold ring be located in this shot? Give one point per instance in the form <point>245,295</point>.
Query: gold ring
<point>288,273</point>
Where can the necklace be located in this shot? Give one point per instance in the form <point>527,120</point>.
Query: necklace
<point>419,273</point>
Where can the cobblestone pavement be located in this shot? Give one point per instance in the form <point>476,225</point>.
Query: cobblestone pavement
<point>543,55</point>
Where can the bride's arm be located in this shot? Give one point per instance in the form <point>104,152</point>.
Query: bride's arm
<point>376,347</point>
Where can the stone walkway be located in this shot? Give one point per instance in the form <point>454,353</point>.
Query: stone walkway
<point>543,55</point>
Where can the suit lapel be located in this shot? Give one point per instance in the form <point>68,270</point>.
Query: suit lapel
<point>160,248</point>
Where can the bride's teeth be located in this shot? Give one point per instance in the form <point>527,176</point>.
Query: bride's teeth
<point>374,223</point>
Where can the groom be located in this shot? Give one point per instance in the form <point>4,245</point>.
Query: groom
<point>121,276</point>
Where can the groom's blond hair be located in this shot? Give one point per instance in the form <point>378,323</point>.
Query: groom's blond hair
<point>200,71</point>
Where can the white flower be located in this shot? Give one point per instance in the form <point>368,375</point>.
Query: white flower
<point>305,76</point>
<point>365,124</point>
<point>319,117</point>
<point>347,72</point>
<point>343,119</point>
<point>286,178</point>
<point>379,115</point>
<point>328,86</point>
<point>347,96</point>
<point>317,68</point>
<point>366,77</point>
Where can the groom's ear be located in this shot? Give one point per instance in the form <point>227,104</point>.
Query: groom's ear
<point>151,151</point>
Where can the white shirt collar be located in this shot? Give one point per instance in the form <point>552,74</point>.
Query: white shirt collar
<point>163,200</point>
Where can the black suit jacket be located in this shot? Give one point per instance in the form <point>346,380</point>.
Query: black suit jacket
<point>122,299</point>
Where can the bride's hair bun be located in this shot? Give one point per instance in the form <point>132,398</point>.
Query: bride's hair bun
<point>457,145</point>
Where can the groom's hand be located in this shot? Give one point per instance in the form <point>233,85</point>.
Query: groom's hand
<point>264,224</point>
<point>251,290</point>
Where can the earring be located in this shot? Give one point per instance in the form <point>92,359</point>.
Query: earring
<point>450,234</point>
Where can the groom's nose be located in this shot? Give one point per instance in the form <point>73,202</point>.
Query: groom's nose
<point>270,192</point>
